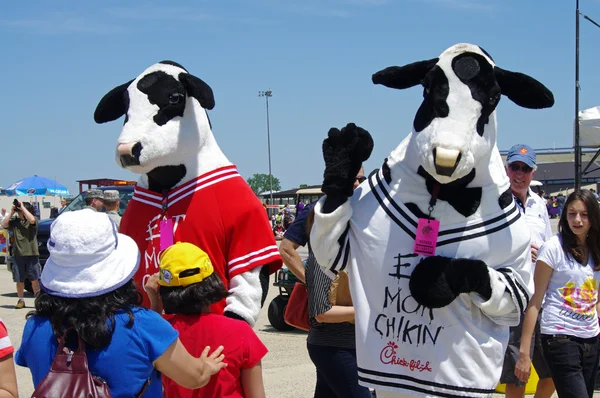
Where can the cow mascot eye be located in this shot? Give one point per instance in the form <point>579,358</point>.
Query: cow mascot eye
<point>175,98</point>
<point>494,99</point>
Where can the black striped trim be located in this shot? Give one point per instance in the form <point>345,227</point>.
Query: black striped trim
<point>521,288</point>
<point>393,202</point>
<point>343,242</point>
<point>479,234</point>
<point>422,382</point>
<point>514,291</point>
<point>516,288</point>
<point>346,255</point>
<point>443,232</point>
<point>479,225</point>
<point>412,388</point>
<point>388,211</point>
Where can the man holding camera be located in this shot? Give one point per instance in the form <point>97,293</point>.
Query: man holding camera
<point>25,248</point>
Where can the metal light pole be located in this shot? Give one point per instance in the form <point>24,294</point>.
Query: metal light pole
<point>268,94</point>
<point>578,172</point>
<point>577,147</point>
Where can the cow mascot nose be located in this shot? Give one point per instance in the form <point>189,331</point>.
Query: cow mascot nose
<point>129,154</point>
<point>446,160</point>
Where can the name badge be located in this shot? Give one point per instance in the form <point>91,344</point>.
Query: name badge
<point>426,237</point>
<point>166,233</point>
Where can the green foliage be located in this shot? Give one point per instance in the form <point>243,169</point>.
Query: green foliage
<point>303,186</point>
<point>260,183</point>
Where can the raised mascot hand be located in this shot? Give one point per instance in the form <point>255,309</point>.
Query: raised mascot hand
<point>436,281</point>
<point>344,152</point>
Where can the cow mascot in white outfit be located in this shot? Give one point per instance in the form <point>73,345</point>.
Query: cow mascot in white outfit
<point>436,250</point>
<point>188,190</point>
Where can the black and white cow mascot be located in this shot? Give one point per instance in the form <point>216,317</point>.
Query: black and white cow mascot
<point>188,190</point>
<point>437,253</point>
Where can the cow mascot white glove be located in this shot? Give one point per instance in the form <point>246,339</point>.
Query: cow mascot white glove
<point>435,247</point>
<point>188,190</point>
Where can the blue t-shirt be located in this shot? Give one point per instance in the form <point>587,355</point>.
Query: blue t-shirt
<point>124,364</point>
<point>296,232</point>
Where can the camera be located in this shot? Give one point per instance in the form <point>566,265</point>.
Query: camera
<point>16,203</point>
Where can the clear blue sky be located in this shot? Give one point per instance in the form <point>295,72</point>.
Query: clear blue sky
<point>60,58</point>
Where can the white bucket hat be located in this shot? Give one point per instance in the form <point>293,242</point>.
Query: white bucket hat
<point>88,257</point>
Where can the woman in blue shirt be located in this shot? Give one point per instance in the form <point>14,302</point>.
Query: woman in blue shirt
<point>88,286</point>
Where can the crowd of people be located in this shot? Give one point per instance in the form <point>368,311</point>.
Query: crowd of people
<point>284,218</point>
<point>86,295</point>
<point>556,204</point>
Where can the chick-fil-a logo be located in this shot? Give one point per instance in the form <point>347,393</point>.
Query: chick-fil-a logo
<point>388,357</point>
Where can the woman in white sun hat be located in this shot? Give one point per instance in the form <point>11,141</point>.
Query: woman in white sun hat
<point>88,286</point>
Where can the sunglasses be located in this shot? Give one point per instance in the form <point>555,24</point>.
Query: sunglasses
<point>360,179</point>
<point>524,168</point>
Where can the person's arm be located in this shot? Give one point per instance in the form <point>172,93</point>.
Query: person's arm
<point>319,305</point>
<point>178,365</point>
<point>337,314</point>
<point>541,277</point>
<point>28,216</point>
<point>152,287</point>
<point>8,378</point>
<point>291,258</point>
<point>252,382</point>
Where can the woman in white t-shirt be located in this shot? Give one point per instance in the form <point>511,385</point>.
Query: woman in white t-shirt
<point>566,281</point>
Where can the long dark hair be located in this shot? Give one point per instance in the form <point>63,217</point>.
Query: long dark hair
<point>195,298</point>
<point>570,245</point>
<point>93,317</point>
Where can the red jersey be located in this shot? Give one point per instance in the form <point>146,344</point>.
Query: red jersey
<point>218,212</point>
<point>241,346</point>
<point>6,347</point>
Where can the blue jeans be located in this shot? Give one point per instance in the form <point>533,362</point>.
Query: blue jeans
<point>573,363</point>
<point>337,375</point>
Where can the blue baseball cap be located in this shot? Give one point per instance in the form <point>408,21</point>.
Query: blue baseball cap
<point>521,153</point>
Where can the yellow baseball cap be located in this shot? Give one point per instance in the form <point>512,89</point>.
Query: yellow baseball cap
<point>183,264</point>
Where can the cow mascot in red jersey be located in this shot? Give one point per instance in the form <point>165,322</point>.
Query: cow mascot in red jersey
<point>188,190</point>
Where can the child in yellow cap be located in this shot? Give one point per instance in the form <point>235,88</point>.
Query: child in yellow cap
<point>184,288</point>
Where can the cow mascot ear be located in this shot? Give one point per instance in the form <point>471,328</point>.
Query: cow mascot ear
<point>113,105</point>
<point>406,76</point>
<point>523,90</point>
<point>196,88</point>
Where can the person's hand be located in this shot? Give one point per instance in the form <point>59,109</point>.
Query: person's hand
<point>534,252</point>
<point>214,361</point>
<point>152,285</point>
<point>523,368</point>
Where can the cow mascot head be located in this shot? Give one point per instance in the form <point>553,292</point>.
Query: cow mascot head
<point>437,251</point>
<point>188,190</point>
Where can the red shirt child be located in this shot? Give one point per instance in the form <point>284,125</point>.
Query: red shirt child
<point>243,351</point>
<point>185,287</point>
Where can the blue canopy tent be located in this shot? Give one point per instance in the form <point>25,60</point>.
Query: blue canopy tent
<point>37,186</point>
